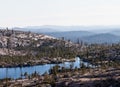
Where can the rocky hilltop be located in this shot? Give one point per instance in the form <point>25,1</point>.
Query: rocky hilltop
<point>21,48</point>
<point>10,39</point>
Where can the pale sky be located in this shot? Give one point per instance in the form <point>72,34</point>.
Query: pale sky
<point>21,13</point>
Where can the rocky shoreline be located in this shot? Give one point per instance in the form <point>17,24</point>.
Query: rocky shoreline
<point>72,78</point>
<point>41,61</point>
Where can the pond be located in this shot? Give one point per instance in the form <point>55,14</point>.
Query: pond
<point>41,69</point>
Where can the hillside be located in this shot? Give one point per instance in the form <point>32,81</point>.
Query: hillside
<point>115,32</point>
<point>10,39</point>
<point>102,38</point>
<point>87,36</point>
<point>72,35</point>
<point>26,48</point>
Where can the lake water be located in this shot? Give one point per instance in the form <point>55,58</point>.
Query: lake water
<point>41,69</point>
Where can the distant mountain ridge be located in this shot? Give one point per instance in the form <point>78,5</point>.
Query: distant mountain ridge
<point>102,38</point>
<point>88,37</point>
<point>53,28</point>
<point>35,29</point>
<point>72,35</point>
<point>92,34</point>
<point>115,32</point>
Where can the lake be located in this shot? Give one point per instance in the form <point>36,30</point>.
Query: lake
<point>41,69</point>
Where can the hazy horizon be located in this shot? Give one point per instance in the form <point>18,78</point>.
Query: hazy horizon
<point>56,28</point>
<point>21,13</point>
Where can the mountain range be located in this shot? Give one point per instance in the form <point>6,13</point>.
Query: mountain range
<point>92,34</point>
<point>88,37</point>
